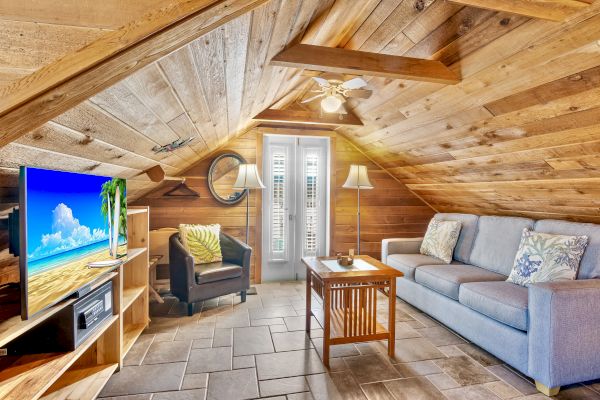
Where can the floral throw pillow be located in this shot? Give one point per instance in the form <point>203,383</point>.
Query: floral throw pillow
<point>543,257</point>
<point>202,242</point>
<point>440,239</point>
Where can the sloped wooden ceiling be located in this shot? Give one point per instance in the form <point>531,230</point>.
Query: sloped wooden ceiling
<point>518,134</point>
<point>34,33</point>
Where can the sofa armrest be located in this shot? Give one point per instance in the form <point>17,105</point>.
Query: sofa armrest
<point>181,269</point>
<point>400,246</point>
<point>564,321</point>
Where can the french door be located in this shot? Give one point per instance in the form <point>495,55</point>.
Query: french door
<point>295,204</point>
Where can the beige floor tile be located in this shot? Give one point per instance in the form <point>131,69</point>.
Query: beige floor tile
<point>239,384</point>
<point>419,349</point>
<point>465,371</point>
<point>287,364</point>
<point>275,387</point>
<point>195,381</point>
<point>286,341</point>
<point>209,360</point>
<point>252,340</point>
<point>417,388</point>
<point>371,368</point>
<point>477,392</point>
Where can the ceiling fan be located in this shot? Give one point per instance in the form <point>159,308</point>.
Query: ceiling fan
<point>334,91</point>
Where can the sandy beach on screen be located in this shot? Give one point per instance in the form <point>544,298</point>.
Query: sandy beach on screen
<point>48,287</point>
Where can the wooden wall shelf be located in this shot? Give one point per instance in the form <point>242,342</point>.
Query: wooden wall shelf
<point>81,374</point>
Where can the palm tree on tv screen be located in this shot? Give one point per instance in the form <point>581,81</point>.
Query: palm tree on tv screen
<point>109,189</point>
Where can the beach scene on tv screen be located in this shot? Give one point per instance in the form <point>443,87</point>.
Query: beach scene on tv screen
<point>71,222</point>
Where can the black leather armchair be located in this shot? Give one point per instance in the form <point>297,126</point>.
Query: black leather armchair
<point>193,283</point>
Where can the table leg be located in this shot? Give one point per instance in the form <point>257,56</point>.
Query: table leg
<point>308,300</point>
<point>327,323</point>
<point>392,318</point>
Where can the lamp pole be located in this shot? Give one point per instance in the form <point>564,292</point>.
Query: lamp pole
<point>358,222</point>
<point>247,216</point>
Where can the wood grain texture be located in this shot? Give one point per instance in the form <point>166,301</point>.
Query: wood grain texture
<point>306,118</point>
<point>343,61</point>
<point>554,10</point>
<point>405,215</point>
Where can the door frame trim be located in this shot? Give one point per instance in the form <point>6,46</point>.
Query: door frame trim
<point>294,131</point>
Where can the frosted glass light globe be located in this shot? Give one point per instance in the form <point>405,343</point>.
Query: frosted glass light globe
<point>331,104</point>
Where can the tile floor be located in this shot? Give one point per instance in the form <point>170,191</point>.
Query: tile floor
<point>233,351</point>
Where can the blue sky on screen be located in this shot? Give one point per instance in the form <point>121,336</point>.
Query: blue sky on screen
<point>63,212</point>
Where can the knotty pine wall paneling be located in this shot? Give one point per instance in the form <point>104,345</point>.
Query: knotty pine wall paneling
<point>388,210</point>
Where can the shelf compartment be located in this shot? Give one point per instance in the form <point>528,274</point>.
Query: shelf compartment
<point>135,252</point>
<point>81,383</point>
<point>15,326</point>
<point>133,211</point>
<point>130,295</point>
<point>29,376</point>
<point>130,334</point>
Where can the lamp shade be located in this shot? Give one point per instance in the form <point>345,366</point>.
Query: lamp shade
<point>358,178</point>
<point>248,178</point>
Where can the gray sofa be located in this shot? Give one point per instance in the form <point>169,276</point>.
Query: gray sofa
<point>548,331</point>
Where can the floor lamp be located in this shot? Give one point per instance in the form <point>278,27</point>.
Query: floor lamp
<point>248,179</point>
<point>358,178</point>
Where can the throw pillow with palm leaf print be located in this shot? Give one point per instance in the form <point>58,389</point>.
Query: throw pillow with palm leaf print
<point>202,242</point>
<point>543,257</point>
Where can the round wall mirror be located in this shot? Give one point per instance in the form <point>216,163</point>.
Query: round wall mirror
<point>222,175</point>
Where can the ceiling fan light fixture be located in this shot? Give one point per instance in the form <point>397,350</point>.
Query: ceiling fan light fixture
<point>331,104</point>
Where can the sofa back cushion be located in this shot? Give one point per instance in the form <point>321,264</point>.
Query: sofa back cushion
<point>590,262</point>
<point>468,229</point>
<point>497,242</point>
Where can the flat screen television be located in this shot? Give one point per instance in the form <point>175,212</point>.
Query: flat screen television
<point>67,220</point>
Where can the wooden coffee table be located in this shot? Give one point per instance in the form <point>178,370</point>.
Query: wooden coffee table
<point>350,300</point>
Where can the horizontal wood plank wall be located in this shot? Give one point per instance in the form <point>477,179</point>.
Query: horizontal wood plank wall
<point>389,210</point>
<point>172,211</point>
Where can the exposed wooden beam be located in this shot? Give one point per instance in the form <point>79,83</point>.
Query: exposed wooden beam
<point>554,10</point>
<point>330,59</point>
<point>307,118</point>
<point>53,89</point>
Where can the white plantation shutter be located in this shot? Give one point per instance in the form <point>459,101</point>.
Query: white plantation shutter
<point>279,167</point>
<point>310,201</point>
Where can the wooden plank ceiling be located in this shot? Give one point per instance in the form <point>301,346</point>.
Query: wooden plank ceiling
<point>520,133</point>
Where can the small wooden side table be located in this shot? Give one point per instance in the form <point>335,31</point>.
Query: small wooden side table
<point>154,259</point>
<point>350,300</point>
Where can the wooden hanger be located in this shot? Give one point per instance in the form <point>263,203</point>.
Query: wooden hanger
<point>181,190</point>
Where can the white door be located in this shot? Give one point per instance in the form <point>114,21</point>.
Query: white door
<point>295,204</point>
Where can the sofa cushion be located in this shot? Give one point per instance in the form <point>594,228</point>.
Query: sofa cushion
<point>590,262</point>
<point>446,279</point>
<point>503,301</point>
<point>468,229</point>
<point>217,271</point>
<point>408,263</point>
<point>497,242</point>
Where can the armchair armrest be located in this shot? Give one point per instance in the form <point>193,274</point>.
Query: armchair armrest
<point>236,252</point>
<point>563,333</point>
<point>181,268</point>
<point>399,246</point>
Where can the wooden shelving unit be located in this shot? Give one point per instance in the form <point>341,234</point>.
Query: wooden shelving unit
<point>81,374</point>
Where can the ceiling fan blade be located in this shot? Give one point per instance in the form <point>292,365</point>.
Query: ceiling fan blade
<point>321,81</point>
<point>359,93</point>
<point>355,83</point>
<point>312,98</point>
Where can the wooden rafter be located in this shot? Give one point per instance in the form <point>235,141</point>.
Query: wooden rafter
<point>344,61</point>
<point>307,118</point>
<point>53,89</point>
<point>554,10</point>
